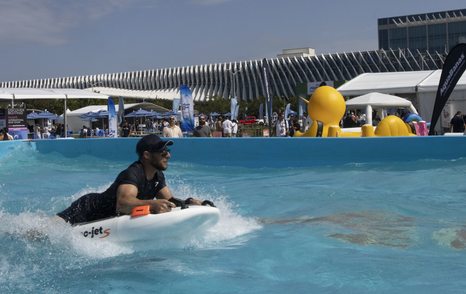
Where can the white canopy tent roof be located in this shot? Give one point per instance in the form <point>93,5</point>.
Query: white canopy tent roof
<point>385,82</point>
<point>45,93</point>
<point>379,101</point>
<point>376,99</point>
<point>406,82</point>
<point>430,83</point>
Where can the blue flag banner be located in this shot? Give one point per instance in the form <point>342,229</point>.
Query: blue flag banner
<point>301,106</point>
<point>268,97</point>
<point>234,108</point>
<point>187,109</point>
<point>261,111</point>
<point>176,105</point>
<point>121,110</point>
<point>112,119</point>
<point>288,111</point>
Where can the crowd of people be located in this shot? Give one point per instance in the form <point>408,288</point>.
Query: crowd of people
<point>49,131</point>
<point>207,126</point>
<point>214,126</point>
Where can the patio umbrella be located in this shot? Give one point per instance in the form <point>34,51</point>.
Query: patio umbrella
<point>88,115</point>
<point>168,114</point>
<point>89,118</point>
<point>102,114</point>
<point>155,114</point>
<point>142,113</point>
<point>47,115</point>
<point>32,115</point>
<point>131,114</point>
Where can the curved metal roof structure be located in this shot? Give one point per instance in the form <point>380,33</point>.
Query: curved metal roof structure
<point>243,78</point>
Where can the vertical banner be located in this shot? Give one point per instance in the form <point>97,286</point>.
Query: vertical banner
<point>121,110</point>
<point>16,122</point>
<point>233,108</point>
<point>287,114</point>
<point>261,111</point>
<point>301,106</point>
<point>112,119</point>
<point>287,110</point>
<point>453,68</point>
<point>268,98</point>
<point>187,109</point>
<point>2,118</point>
<point>176,105</point>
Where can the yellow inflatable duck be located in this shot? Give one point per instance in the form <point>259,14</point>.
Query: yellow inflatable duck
<point>326,108</point>
<point>391,125</point>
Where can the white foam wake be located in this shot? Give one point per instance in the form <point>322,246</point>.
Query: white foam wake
<point>35,227</point>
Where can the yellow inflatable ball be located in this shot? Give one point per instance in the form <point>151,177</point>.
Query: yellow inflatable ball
<point>393,126</point>
<point>326,105</point>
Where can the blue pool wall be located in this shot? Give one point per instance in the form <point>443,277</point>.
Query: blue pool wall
<point>262,152</point>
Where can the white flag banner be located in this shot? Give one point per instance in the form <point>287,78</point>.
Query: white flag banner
<point>112,119</point>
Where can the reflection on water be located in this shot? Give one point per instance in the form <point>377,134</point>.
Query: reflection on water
<point>363,228</point>
<point>451,237</point>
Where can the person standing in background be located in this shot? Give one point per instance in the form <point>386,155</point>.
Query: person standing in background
<point>234,128</point>
<point>4,135</point>
<point>202,130</point>
<point>172,130</point>
<point>227,127</point>
<point>457,124</point>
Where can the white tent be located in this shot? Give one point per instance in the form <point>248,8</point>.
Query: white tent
<point>14,94</point>
<point>418,86</point>
<point>379,101</point>
<point>384,82</point>
<point>75,122</point>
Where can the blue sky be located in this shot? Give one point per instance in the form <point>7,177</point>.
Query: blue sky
<point>57,38</point>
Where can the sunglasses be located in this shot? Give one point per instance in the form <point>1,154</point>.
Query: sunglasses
<point>164,152</point>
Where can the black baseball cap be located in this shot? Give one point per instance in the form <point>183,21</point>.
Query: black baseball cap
<point>151,143</point>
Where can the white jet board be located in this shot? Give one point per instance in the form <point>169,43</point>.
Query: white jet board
<point>176,224</point>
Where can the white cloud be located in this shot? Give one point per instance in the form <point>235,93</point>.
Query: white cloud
<point>47,21</point>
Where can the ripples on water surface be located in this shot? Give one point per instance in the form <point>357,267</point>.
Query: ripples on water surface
<point>387,227</point>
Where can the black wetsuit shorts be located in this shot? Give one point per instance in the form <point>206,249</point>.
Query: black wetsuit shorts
<point>88,208</point>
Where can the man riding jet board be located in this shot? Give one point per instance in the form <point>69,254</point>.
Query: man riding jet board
<point>141,184</point>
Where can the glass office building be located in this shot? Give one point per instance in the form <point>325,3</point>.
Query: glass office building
<point>432,32</point>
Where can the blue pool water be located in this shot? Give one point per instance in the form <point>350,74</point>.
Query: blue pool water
<point>376,227</point>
